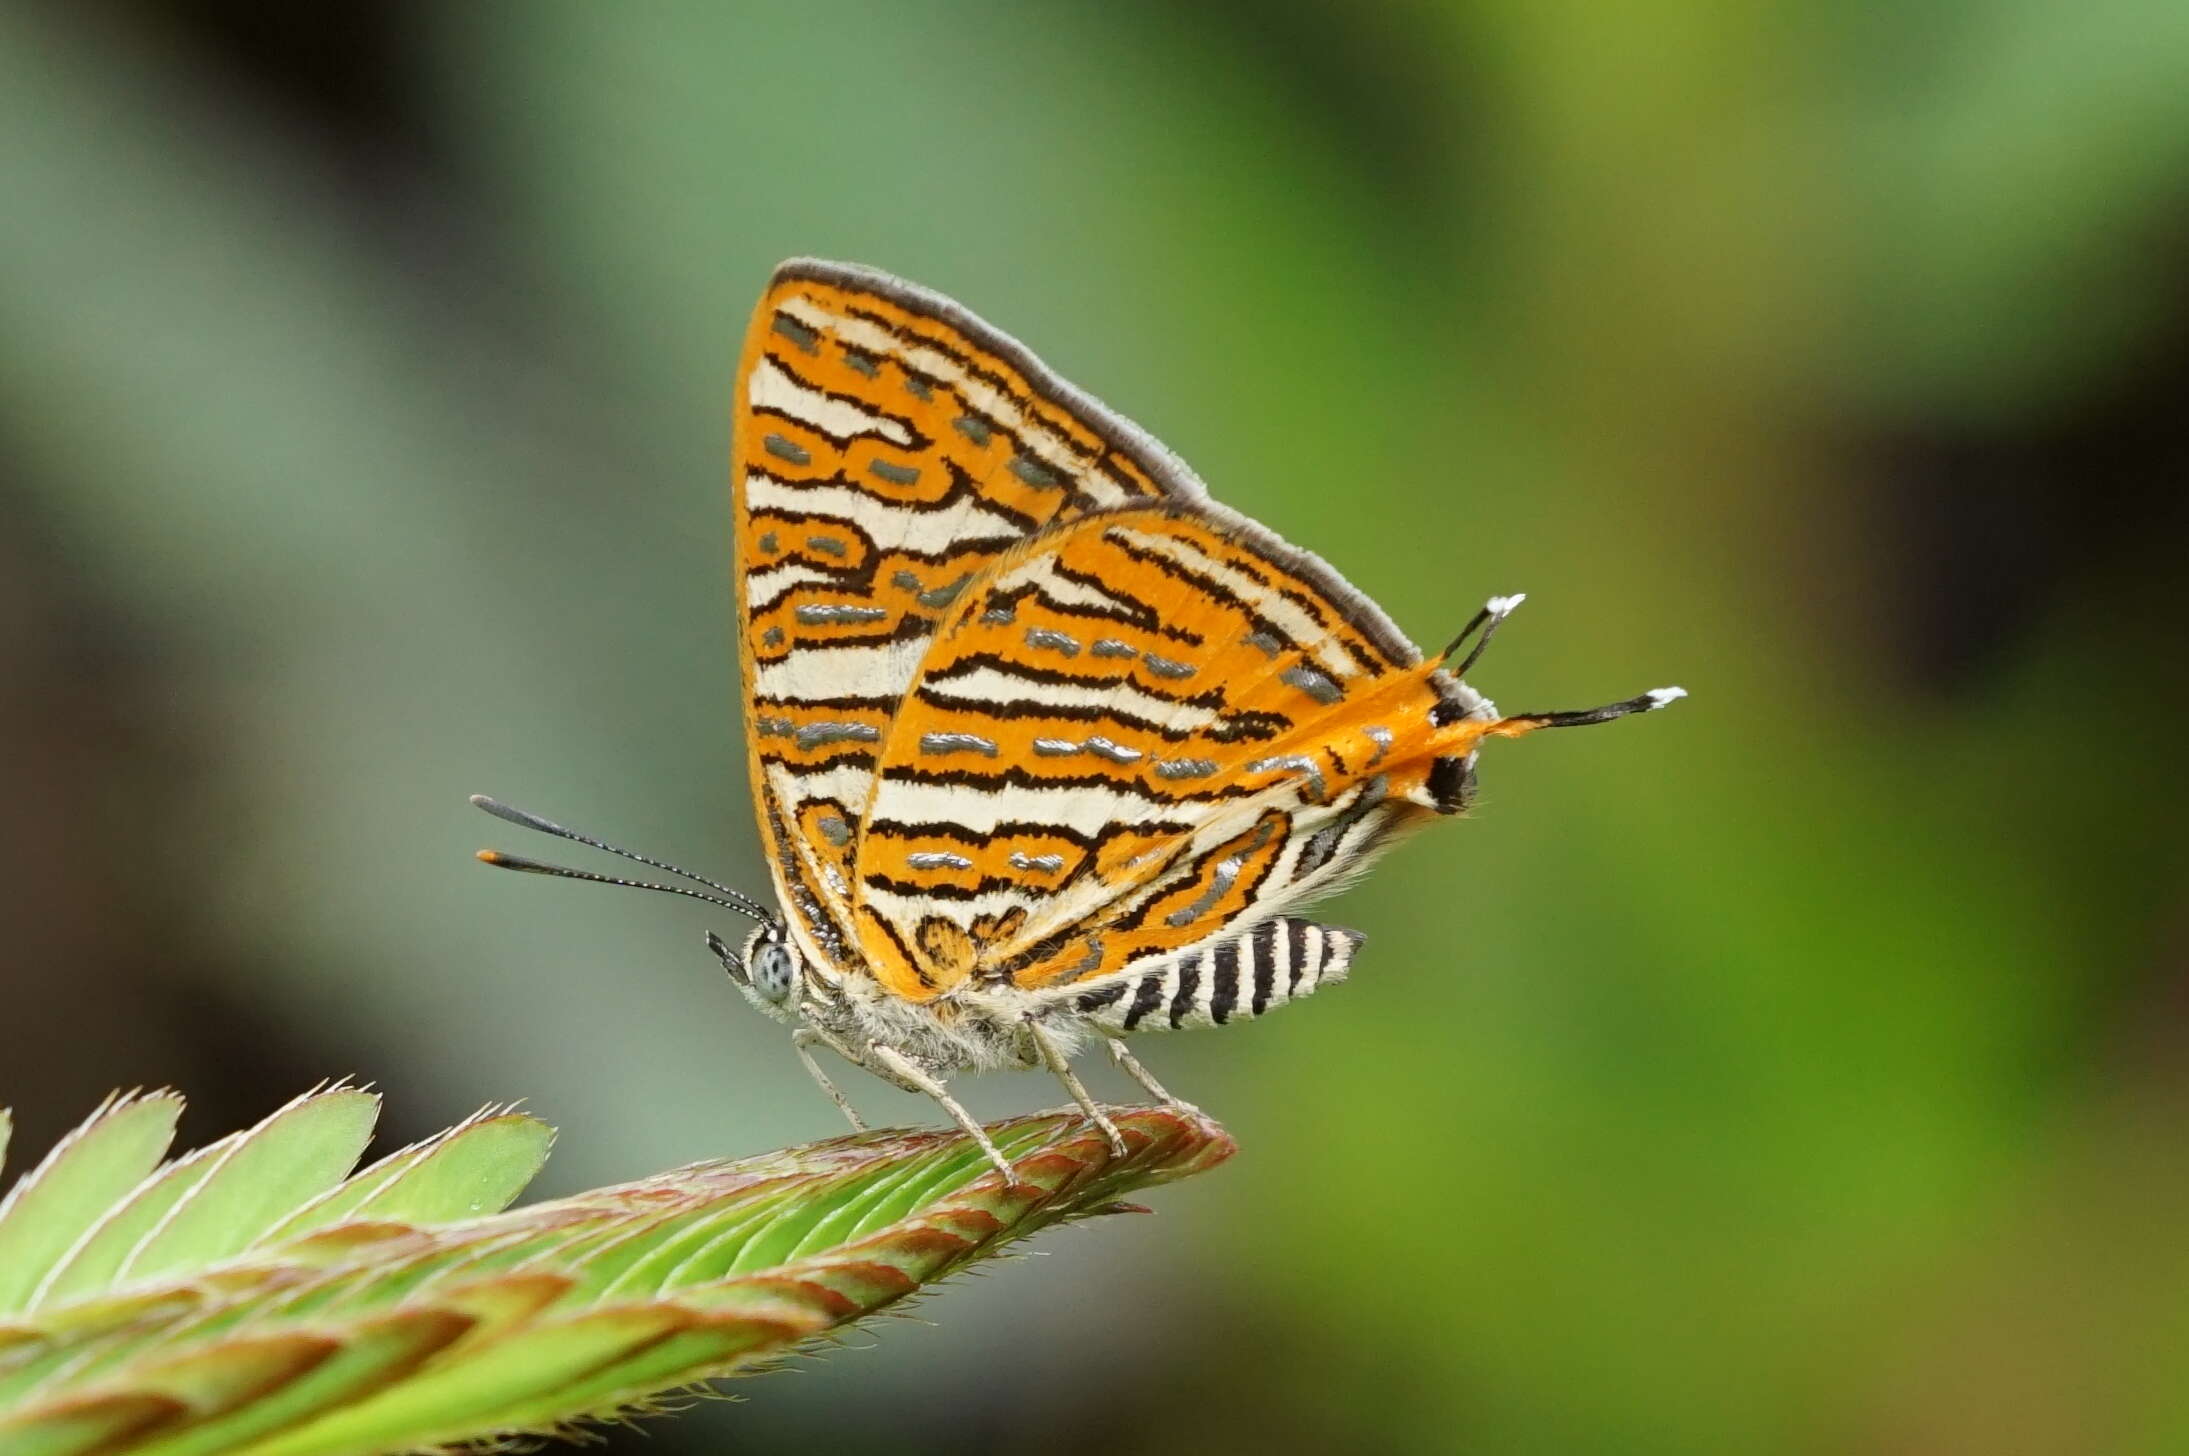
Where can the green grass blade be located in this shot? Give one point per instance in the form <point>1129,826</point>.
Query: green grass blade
<point>273,1309</point>
<point>472,1170</point>
<point>98,1257</point>
<point>339,1204</point>
<point>295,1155</point>
<point>54,1204</point>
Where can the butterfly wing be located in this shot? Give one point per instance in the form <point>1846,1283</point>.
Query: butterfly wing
<point>888,448</point>
<point>1135,734</point>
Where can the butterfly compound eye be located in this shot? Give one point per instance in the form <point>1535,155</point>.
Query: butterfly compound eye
<point>773,971</point>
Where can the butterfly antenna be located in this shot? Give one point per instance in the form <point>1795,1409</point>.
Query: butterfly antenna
<point>1518,723</point>
<point>1493,613</point>
<point>502,861</point>
<point>732,899</point>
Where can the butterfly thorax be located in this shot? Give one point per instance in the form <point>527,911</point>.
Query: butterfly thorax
<point>785,979</point>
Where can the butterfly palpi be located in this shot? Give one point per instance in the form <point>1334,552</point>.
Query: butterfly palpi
<point>1046,745</point>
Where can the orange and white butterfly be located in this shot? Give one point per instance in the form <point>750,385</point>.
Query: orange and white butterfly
<point>1044,741</point>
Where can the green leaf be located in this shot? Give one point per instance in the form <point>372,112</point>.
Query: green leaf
<point>54,1204</point>
<point>272,1307</point>
<point>299,1153</point>
<point>98,1258</point>
<point>473,1169</point>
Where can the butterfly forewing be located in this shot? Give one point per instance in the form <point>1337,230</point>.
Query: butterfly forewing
<point>1135,733</point>
<point>888,448</point>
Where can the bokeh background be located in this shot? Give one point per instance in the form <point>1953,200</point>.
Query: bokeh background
<point>1801,1070</point>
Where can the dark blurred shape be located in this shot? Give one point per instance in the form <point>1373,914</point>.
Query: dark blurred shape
<point>349,77</point>
<point>113,980</point>
<point>1995,530</point>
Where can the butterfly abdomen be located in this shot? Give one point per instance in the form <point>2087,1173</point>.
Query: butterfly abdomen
<point>1279,960</point>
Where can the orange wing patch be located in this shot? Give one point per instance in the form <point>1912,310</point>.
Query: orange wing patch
<point>888,449</point>
<point>1137,730</point>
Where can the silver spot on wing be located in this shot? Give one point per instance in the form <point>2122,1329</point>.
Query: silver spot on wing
<point>1185,768</point>
<point>1305,766</point>
<point>1227,873</point>
<point>1048,864</point>
<point>815,735</point>
<point>943,596</point>
<point>830,613</point>
<point>945,743</point>
<point>937,859</point>
<point>1164,667</point>
<point>1318,685</point>
<point>1055,641</point>
<point>796,332</point>
<point>1034,473</point>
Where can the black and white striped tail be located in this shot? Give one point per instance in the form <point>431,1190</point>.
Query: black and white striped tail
<point>1279,960</point>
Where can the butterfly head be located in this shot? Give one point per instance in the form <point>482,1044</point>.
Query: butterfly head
<point>1464,717</point>
<point>768,970</point>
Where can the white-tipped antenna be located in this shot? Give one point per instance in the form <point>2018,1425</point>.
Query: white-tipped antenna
<point>1493,612</point>
<point>1648,702</point>
<point>726,897</point>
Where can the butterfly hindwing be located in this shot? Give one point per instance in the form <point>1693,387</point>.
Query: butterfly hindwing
<point>1135,734</point>
<point>888,449</point>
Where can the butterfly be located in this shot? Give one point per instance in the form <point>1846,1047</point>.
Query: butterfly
<point>1047,746</point>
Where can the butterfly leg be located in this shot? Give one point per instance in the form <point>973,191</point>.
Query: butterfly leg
<point>1061,1065</point>
<point>1140,1074</point>
<point>806,1037</point>
<point>914,1077</point>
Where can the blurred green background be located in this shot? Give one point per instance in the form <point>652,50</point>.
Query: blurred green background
<point>1801,1070</point>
